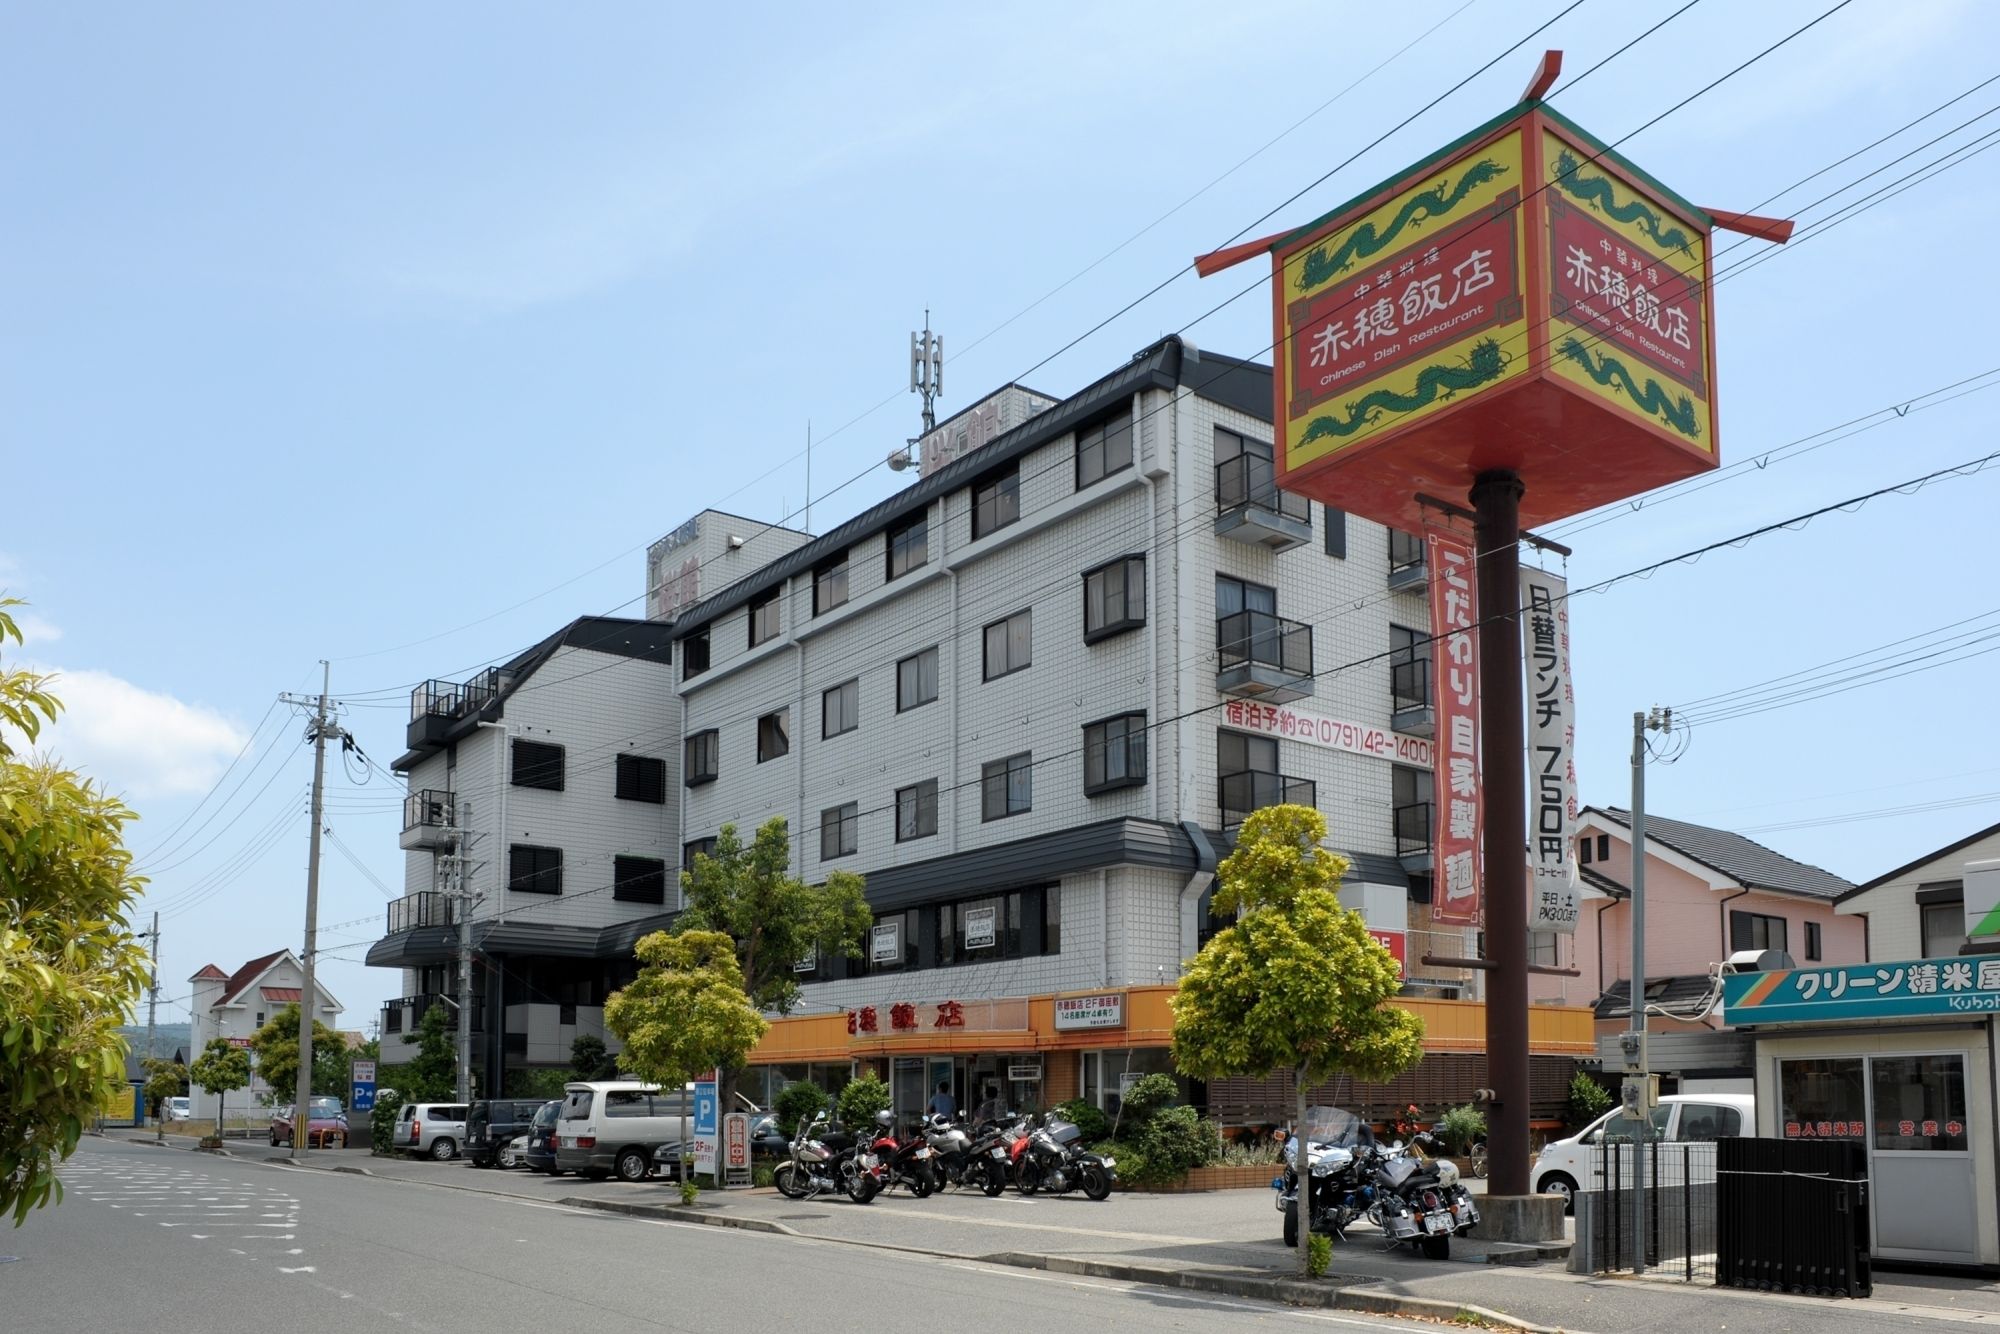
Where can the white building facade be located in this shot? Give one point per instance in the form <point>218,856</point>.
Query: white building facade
<point>233,1006</point>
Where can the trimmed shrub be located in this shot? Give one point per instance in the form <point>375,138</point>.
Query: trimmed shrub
<point>794,1104</point>
<point>382,1121</point>
<point>1146,1097</point>
<point>1093,1124</point>
<point>1587,1101</point>
<point>861,1099</point>
<point>1175,1139</point>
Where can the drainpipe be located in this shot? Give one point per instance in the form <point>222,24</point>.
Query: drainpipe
<point>1722,914</point>
<point>1104,913</point>
<point>951,577</point>
<point>1152,591</point>
<point>1205,864</point>
<point>799,751</point>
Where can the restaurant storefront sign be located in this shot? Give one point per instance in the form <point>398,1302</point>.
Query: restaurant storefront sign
<point>1074,1012</point>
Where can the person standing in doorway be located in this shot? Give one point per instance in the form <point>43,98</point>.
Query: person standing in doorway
<point>942,1103</point>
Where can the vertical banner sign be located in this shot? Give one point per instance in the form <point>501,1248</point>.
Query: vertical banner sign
<point>1455,687</point>
<point>360,1085</point>
<point>706,1130</point>
<point>1551,751</point>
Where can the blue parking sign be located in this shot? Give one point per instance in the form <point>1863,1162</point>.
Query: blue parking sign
<point>705,1106</point>
<point>361,1085</point>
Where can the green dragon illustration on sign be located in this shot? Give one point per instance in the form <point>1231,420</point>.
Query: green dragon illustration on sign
<point>1435,382</point>
<point>1323,265</point>
<point>1601,195</point>
<point>1677,413</point>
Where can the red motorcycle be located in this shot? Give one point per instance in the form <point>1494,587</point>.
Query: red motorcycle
<point>901,1162</point>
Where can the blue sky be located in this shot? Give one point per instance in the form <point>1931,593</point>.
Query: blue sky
<point>328,333</point>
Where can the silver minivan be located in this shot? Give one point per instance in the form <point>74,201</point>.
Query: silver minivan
<point>615,1126</point>
<point>433,1128</point>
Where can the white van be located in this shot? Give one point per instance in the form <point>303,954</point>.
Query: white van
<point>1569,1165</point>
<point>614,1126</point>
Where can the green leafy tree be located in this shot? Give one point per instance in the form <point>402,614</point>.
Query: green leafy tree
<point>221,1069</point>
<point>276,1046</point>
<point>686,1012</point>
<point>433,1075</point>
<point>1296,983</point>
<point>1588,1100</point>
<point>382,1122</point>
<point>591,1059</point>
<point>775,919</point>
<point>796,1103</point>
<point>165,1079</point>
<point>70,970</point>
<point>332,1071</point>
<point>861,1099</point>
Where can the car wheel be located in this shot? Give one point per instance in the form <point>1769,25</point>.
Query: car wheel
<point>634,1165</point>
<point>274,1139</point>
<point>1558,1183</point>
<point>444,1148</point>
<point>508,1160</point>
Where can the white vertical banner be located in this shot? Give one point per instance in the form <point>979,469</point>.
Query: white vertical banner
<point>1552,898</point>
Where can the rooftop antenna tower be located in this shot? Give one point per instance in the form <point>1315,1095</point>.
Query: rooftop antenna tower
<point>927,370</point>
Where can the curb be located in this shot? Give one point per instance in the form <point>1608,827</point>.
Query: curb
<point>680,1214</point>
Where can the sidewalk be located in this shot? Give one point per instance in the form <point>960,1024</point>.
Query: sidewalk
<point>1228,1241</point>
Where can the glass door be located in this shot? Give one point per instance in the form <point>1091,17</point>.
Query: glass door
<point>1920,1160</point>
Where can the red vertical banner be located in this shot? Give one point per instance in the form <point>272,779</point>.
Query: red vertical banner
<point>1455,878</point>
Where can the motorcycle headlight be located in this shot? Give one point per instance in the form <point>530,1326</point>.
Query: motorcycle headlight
<point>1323,1168</point>
<point>1447,1171</point>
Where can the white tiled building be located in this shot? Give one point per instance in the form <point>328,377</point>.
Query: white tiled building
<point>233,1006</point>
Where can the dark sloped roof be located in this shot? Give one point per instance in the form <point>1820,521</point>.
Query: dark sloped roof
<point>1908,867</point>
<point>1597,880</point>
<point>1735,856</point>
<point>1684,993</point>
<point>245,975</point>
<point>1167,364</point>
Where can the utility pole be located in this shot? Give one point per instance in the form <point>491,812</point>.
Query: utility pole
<point>309,998</point>
<point>1638,1091</point>
<point>152,1012</point>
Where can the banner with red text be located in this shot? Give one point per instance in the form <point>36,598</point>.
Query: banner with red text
<point>1455,878</point>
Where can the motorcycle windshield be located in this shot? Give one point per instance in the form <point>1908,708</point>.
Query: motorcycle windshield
<point>1063,1132</point>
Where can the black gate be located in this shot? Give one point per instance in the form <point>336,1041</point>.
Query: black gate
<point>1792,1216</point>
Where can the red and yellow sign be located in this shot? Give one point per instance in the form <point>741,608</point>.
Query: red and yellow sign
<point>1525,299</point>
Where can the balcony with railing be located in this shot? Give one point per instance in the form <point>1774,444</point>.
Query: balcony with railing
<point>1413,836</point>
<point>1407,571</point>
<point>1262,656</point>
<point>428,820</point>
<point>426,908</point>
<point>437,706</point>
<point>1250,506</point>
<point>1410,696</point>
<point>405,1014</point>
<point>1253,790</point>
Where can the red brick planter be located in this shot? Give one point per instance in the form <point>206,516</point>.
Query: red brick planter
<point>1214,1178</point>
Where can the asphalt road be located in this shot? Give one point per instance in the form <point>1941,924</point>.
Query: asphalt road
<point>156,1238</point>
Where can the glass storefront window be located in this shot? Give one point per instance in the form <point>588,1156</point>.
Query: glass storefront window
<point>1919,1102</point>
<point>1822,1099</point>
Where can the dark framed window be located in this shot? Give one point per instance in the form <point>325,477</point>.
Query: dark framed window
<point>1583,849</point>
<point>639,880</point>
<point>909,547</point>
<point>1943,927</point>
<point>699,847</point>
<point>1813,951</point>
<point>1010,644</point>
<point>1114,754</point>
<point>1755,931</point>
<point>1103,449</point>
<point>830,585</point>
<point>1114,598</point>
<point>774,735</point>
<point>839,831</point>
<point>1007,787</point>
<point>694,654</point>
<point>1406,550</point>
<point>1336,532</point>
<point>1604,847</point>
<point>703,751</point>
<point>642,778</point>
<point>1015,924</point>
<point>840,709</point>
<point>996,502</point>
<point>763,617</point>
<point>1409,668</point>
<point>1235,595</point>
<point>916,810</point>
<point>1241,753</point>
<point>538,764</point>
<point>917,680</point>
<point>533,870</point>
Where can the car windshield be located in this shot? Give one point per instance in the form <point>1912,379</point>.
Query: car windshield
<point>326,1108</point>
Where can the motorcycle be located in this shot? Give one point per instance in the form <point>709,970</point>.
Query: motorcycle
<point>905,1162</point>
<point>1411,1199</point>
<point>993,1151</point>
<point>951,1151</point>
<point>833,1160</point>
<point>1421,1201</point>
<point>1054,1160</point>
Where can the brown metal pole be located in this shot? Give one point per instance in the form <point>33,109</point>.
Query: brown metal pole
<point>1496,500</point>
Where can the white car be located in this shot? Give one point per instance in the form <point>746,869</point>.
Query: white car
<point>179,1109</point>
<point>1569,1165</point>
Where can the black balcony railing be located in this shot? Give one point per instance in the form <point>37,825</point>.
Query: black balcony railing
<point>435,699</point>
<point>428,908</point>
<point>1410,684</point>
<point>1262,638</point>
<point>1406,552</point>
<point>428,809</point>
<point>1413,828</point>
<point>1248,480</point>
<point>1254,789</point>
<point>405,1014</point>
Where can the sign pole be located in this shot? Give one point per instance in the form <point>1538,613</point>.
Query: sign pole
<point>1496,501</point>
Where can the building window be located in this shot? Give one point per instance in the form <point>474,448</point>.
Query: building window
<point>1544,949</point>
<point>533,870</point>
<point>642,778</point>
<point>916,810</point>
<point>1406,550</point>
<point>1104,449</point>
<point>996,502</point>
<point>703,750</point>
<point>1755,931</point>
<point>538,764</point>
<point>1007,787</point>
<point>1114,598</point>
<point>1604,847</point>
<point>1409,669</point>
<point>694,654</point>
<point>1583,847</point>
<point>839,831</point>
<point>840,709</point>
<point>1010,644</point>
<point>1336,532</point>
<point>260,1019</point>
<point>639,880</point>
<point>700,847</point>
<point>763,617</point>
<point>909,547</point>
<point>1114,754</point>
<point>830,585</point>
<point>916,680</point>
<point>1411,801</point>
<point>1240,753</point>
<point>1813,942</point>
<point>1943,928</point>
<point>999,926</point>
<point>1235,595</point>
<point>774,735</point>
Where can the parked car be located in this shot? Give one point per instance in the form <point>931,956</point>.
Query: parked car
<point>1569,1165</point>
<point>541,1152</point>
<point>326,1125</point>
<point>178,1109</point>
<point>433,1128</point>
<point>514,1153</point>
<point>611,1126</point>
<point>490,1125</point>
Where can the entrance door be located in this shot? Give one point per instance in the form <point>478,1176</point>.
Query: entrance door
<point>907,1092</point>
<point>1920,1153</point>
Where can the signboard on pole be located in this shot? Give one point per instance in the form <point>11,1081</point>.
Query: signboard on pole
<point>736,1149</point>
<point>706,1129</point>
<point>1552,899</point>
<point>1455,875</point>
<point>360,1085</point>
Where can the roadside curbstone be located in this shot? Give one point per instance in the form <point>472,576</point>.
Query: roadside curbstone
<point>679,1214</point>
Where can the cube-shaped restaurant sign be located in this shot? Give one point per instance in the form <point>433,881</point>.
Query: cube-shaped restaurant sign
<point>1524,299</point>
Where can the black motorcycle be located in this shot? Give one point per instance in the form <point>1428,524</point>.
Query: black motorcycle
<point>830,1161</point>
<point>905,1162</point>
<point>1055,1161</point>
<point>951,1151</point>
<point>991,1156</point>
<point>1412,1199</point>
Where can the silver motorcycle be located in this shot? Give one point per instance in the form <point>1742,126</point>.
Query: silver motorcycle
<point>829,1161</point>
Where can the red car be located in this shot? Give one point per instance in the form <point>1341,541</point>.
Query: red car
<point>326,1126</point>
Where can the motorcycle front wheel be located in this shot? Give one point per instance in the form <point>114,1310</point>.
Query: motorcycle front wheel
<point>1096,1182</point>
<point>790,1181</point>
<point>1028,1178</point>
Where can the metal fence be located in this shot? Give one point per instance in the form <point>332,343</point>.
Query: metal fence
<point>1794,1217</point>
<point>1680,1211</point>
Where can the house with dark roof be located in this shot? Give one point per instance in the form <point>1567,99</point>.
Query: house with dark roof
<point>1917,910</point>
<point>233,1006</point>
